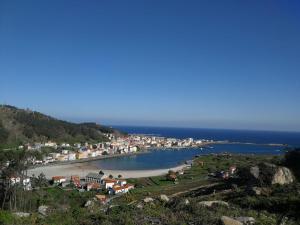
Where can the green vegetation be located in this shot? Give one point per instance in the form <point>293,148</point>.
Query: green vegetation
<point>276,203</point>
<point>192,178</point>
<point>18,126</point>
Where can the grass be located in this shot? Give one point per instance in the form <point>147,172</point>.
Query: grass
<point>69,204</point>
<point>194,177</point>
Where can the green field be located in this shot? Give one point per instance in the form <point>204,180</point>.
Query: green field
<point>67,205</point>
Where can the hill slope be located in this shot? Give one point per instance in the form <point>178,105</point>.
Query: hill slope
<point>19,126</point>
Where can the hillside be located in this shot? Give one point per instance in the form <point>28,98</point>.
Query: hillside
<point>19,126</point>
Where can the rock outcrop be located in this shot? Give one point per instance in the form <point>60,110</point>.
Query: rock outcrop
<point>21,214</point>
<point>269,174</point>
<point>186,202</point>
<point>164,198</point>
<point>230,221</point>
<point>89,203</point>
<point>211,203</point>
<point>140,206</point>
<point>246,220</point>
<point>261,191</point>
<point>148,199</point>
<point>43,210</point>
<point>283,176</point>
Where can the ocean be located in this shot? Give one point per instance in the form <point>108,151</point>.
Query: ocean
<point>161,159</point>
<point>258,137</point>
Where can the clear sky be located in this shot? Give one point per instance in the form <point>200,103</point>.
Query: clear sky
<point>213,64</point>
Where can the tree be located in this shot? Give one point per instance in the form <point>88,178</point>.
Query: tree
<point>119,176</point>
<point>111,176</point>
<point>101,172</point>
<point>171,172</point>
<point>41,180</point>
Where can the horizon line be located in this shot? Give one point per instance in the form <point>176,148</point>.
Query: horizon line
<point>204,128</point>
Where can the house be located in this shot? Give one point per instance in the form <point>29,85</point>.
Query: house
<point>14,180</point>
<point>76,181</point>
<point>94,177</point>
<point>81,155</point>
<point>58,179</point>
<point>117,189</point>
<point>122,182</point>
<point>109,183</point>
<point>65,145</point>
<point>25,181</point>
<point>129,186</point>
<point>50,144</point>
<point>101,198</point>
<point>93,154</point>
<point>65,151</point>
<point>71,156</point>
<point>77,145</point>
<point>62,158</point>
<point>93,186</point>
<point>133,149</point>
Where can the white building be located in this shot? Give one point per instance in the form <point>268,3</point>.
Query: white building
<point>72,156</point>
<point>59,179</point>
<point>50,144</point>
<point>109,183</point>
<point>94,177</point>
<point>26,183</point>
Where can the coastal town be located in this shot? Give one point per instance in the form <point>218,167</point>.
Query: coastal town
<point>60,177</point>
<point>116,146</point>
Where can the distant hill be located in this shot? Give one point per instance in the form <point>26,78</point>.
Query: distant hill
<point>19,126</point>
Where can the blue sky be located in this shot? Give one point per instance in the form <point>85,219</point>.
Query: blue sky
<point>213,64</point>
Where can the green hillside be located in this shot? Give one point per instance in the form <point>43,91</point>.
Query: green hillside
<point>19,126</point>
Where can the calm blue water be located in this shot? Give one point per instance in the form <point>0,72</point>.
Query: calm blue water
<point>158,159</point>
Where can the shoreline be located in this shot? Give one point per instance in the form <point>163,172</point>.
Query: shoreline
<point>57,163</point>
<point>145,151</point>
<point>83,168</point>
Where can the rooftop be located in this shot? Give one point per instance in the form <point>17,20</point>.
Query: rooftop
<point>95,175</point>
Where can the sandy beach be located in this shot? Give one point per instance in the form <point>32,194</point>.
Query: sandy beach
<point>82,169</point>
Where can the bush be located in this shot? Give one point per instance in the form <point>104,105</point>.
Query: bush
<point>291,160</point>
<point>6,217</point>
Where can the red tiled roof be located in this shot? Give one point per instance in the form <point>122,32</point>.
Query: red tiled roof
<point>128,185</point>
<point>108,180</point>
<point>93,185</point>
<point>118,188</point>
<point>58,177</point>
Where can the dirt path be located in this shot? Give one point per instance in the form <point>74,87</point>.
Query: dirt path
<point>194,189</point>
